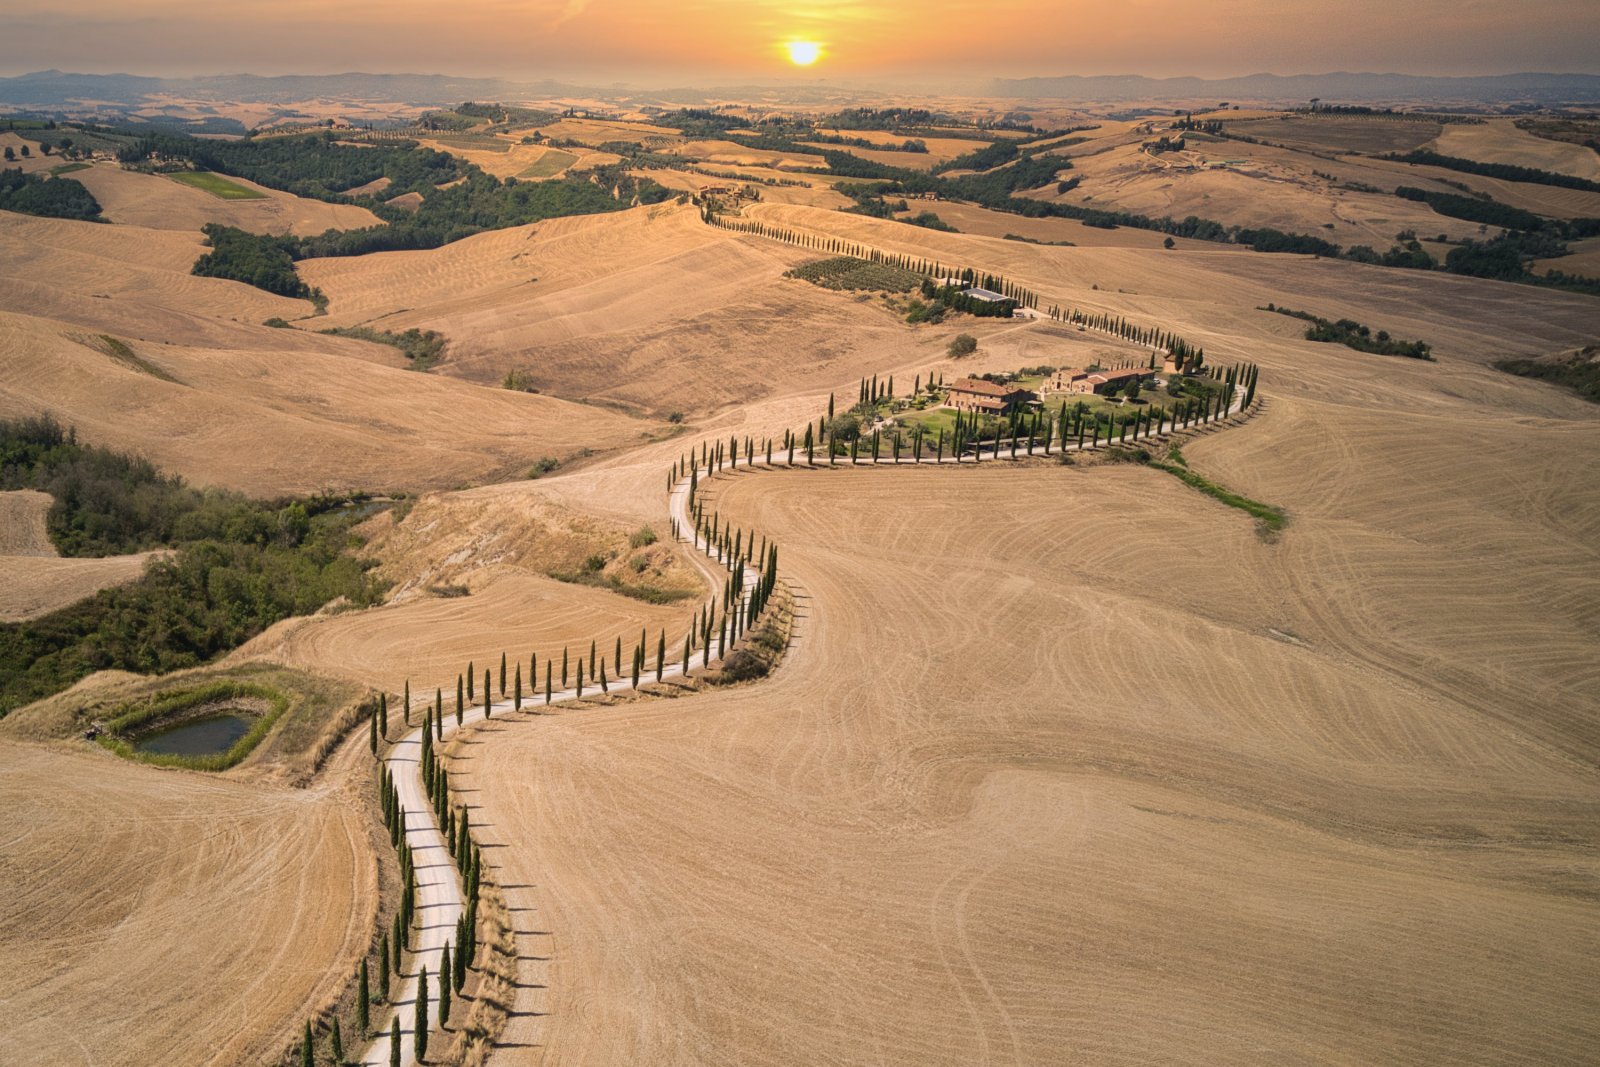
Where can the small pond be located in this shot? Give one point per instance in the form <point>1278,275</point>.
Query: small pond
<point>210,736</point>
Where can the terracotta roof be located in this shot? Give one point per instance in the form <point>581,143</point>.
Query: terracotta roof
<point>983,388</point>
<point>1127,372</point>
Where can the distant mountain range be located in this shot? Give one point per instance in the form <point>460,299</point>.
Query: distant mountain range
<point>58,91</point>
<point>54,90</point>
<point>1298,88</point>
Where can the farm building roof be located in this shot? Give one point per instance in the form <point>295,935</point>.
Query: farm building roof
<point>985,294</point>
<point>983,388</point>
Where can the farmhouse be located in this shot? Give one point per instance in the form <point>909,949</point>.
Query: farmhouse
<point>1071,380</point>
<point>975,394</point>
<point>988,296</point>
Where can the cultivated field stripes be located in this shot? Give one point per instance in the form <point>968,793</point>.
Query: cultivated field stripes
<point>440,901</point>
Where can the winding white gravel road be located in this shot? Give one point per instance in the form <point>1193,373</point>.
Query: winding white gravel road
<point>440,895</point>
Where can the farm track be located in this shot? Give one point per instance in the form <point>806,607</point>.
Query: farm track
<point>440,901</point>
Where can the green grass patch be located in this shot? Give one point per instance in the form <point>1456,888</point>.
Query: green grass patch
<point>468,142</point>
<point>1270,520</point>
<point>120,351</point>
<point>550,164</point>
<point>173,708</point>
<point>217,185</point>
<point>68,168</point>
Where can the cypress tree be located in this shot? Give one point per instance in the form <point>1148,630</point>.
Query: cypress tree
<point>604,688</point>
<point>580,679</point>
<point>421,1032</point>
<point>471,676</point>
<point>407,709</point>
<point>364,995</point>
<point>373,742</point>
<point>460,698</point>
<point>486,696</point>
<point>336,1044</point>
<point>446,976</point>
<point>399,942</point>
<point>383,714</point>
<point>383,961</point>
<point>547,689</point>
<point>502,674</point>
<point>563,666</point>
<point>661,653</point>
<point>308,1058</point>
<point>394,1042</point>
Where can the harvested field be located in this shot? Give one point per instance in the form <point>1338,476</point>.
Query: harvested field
<point>550,163</point>
<point>31,586</point>
<point>1367,136</point>
<point>969,218</point>
<point>22,523</point>
<point>1500,141</point>
<point>34,580</point>
<point>649,309</point>
<point>135,896</point>
<point>1194,787</point>
<point>277,411</point>
<point>1257,185</point>
<point>159,202</point>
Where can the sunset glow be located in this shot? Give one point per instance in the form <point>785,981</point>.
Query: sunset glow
<point>803,53</point>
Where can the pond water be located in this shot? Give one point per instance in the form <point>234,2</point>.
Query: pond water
<point>210,736</point>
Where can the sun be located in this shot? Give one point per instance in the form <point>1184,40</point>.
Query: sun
<point>803,53</point>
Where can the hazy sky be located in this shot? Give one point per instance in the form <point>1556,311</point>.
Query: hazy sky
<point>651,41</point>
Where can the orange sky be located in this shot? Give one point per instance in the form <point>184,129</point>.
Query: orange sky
<point>650,41</point>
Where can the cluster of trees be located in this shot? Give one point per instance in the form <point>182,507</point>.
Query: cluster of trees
<point>1353,334</point>
<point>265,261</point>
<point>1472,208</point>
<point>1164,144</point>
<point>835,246</point>
<point>56,198</point>
<point>1506,258</point>
<point>910,145</point>
<point>1504,171</point>
<point>1579,372</point>
<point>423,348</point>
<point>986,158</point>
<point>315,165</point>
<point>239,566</point>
